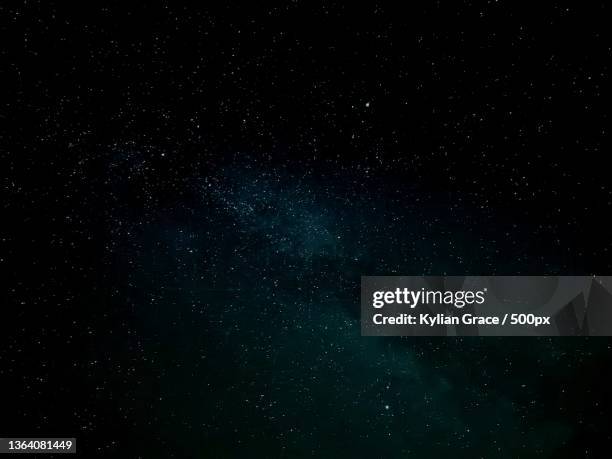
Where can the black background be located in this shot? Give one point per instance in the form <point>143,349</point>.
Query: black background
<point>191,194</point>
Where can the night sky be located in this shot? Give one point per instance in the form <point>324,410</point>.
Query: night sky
<point>190,196</point>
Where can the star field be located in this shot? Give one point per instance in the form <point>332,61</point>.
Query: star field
<point>192,194</point>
